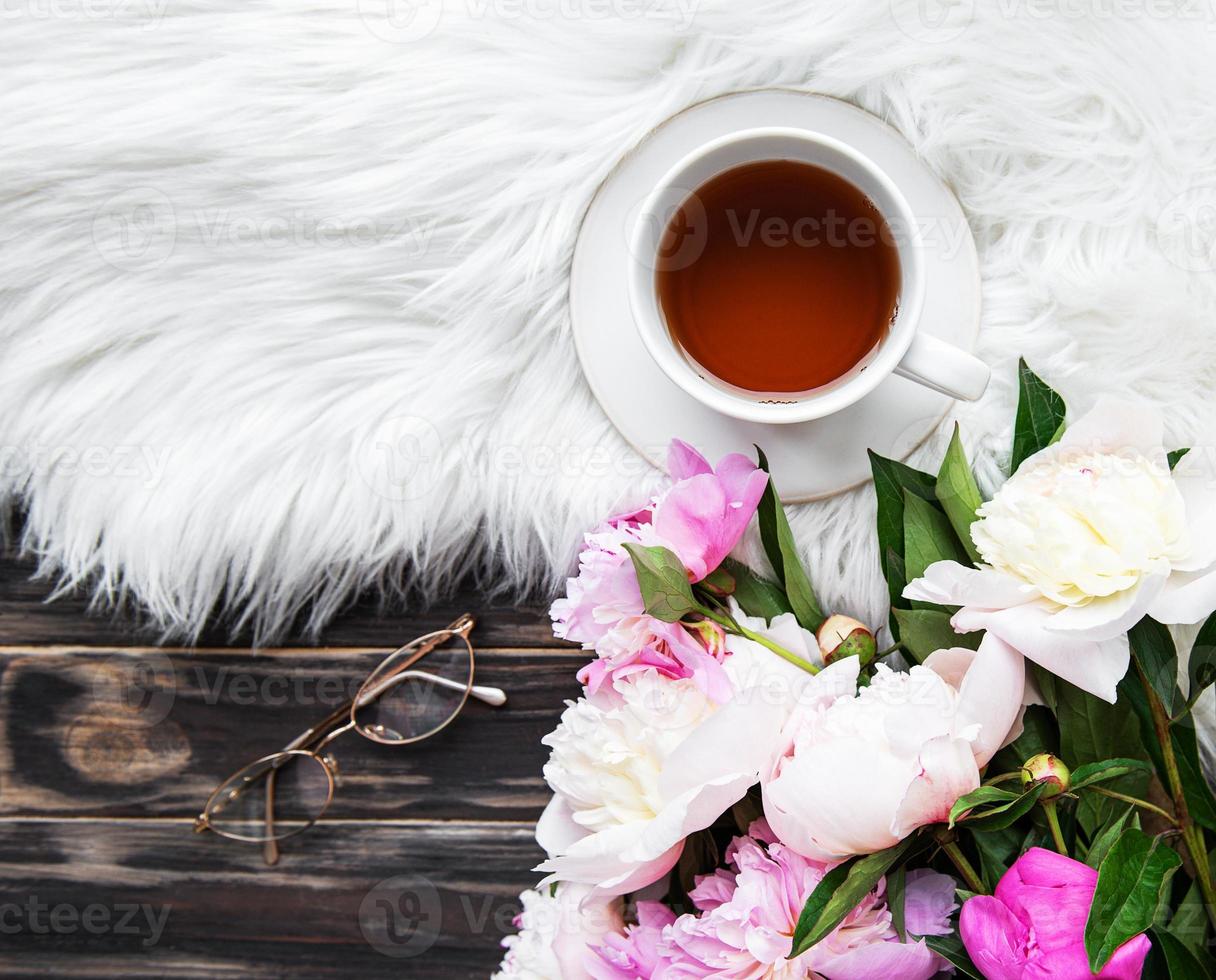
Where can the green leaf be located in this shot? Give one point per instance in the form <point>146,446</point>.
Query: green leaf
<point>756,596</point>
<point>1176,456</point>
<point>959,494</point>
<point>779,545</point>
<point>719,582</point>
<point>1106,839</point>
<point>1200,800</point>
<point>978,798</point>
<point>840,891</point>
<point>1092,730</point>
<point>897,883</point>
<point>1182,962</point>
<point>951,948</point>
<point>928,537</point>
<point>1153,649</point>
<point>1131,883</point>
<point>891,480</point>
<point>1041,413</point>
<point>1202,667</point>
<point>925,631</point>
<point>1189,923</point>
<point>663,579</point>
<point>1040,734</point>
<point>1003,815</point>
<point>1099,772</point>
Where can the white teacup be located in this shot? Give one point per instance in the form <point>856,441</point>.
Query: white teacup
<point>905,350</point>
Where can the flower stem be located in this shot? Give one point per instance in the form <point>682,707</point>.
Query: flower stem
<point>1053,821</point>
<point>1192,836</point>
<point>1135,801</point>
<point>728,623</point>
<point>956,855</point>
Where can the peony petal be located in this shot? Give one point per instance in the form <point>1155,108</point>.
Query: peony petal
<point>877,961</point>
<point>948,583</point>
<point>1186,598</point>
<point>947,771</point>
<point>1128,961</point>
<point>1106,617</point>
<point>1116,425</point>
<point>745,735</point>
<point>994,938</point>
<point>928,903</point>
<point>1094,666</point>
<point>991,694</point>
<point>556,830</point>
<point>683,461</point>
<point>1200,502</point>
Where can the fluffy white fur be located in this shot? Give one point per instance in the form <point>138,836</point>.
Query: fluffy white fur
<point>333,350</point>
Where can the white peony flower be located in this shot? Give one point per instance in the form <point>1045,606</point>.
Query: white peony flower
<point>1088,537</point>
<point>860,774</point>
<point>555,931</point>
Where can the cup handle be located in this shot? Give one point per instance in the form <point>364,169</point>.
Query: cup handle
<point>943,367</point>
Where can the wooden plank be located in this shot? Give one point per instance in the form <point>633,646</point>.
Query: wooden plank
<point>150,733</point>
<point>92,898</point>
<point>27,618</point>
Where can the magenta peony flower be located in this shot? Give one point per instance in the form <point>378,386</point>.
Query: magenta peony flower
<point>1034,926</point>
<point>747,917</point>
<point>700,518</point>
<point>640,643</point>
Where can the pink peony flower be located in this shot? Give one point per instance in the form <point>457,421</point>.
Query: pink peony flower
<point>747,916</point>
<point>633,953</point>
<point>700,518</point>
<point>1034,926</point>
<point>863,772</point>
<point>706,512</point>
<point>640,643</point>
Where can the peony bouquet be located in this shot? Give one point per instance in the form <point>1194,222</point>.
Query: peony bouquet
<point>1008,785</point>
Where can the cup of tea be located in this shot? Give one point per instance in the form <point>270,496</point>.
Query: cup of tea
<point>778,275</point>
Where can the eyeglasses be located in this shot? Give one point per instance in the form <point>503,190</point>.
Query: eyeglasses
<point>285,793</point>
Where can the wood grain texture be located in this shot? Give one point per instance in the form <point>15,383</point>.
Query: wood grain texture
<point>110,745</point>
<point>139,733</point>
<point>26,617</point>
<point>149,898</point>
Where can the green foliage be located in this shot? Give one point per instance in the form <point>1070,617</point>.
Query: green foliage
<point>928,537</point>
<point>891,480</point>
<point>925,631</point>
<point>782,553</point>
<point>1154,653</point>
<point>1201,670</point>
<point>756,596</point>
<point>1040,417</point>
<point>1131,884</point>
<point>839,892</point>
<point>663,579</point>
<point>959,494</point>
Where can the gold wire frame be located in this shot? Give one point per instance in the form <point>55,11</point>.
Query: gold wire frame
<point>393,670</point>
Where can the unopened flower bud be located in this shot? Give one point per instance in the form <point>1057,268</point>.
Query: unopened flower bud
<point>844,636</point>
<point>1049,771</point>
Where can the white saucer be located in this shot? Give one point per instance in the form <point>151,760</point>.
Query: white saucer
<point>809,460</point>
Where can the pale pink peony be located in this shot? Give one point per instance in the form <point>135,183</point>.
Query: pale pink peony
<point>858,775</point>
<point>639,643</point>
<point>746,920</point>
<point>700,518</point>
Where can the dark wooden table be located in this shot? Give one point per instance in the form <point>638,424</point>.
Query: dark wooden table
<point>111,744</point>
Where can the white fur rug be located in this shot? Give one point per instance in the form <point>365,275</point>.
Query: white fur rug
<point>282,301</point>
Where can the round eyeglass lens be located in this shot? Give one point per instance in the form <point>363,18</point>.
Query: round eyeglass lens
<point>417,691</point>
<point>276,797</point>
